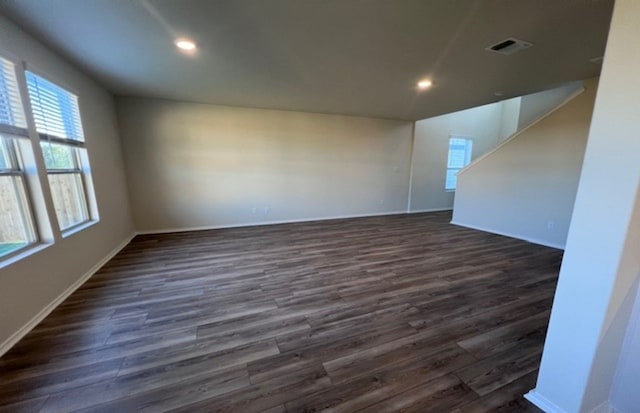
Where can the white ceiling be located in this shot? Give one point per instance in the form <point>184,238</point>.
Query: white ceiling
<point>357,57</point>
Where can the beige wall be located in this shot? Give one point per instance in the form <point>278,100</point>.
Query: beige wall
<point>28,286</point>
<point>431,147</point>
<point>526,188</point>
<point>510,117</point>
<point>535,105</point>
<point>593,305</point>
<point>624,395</point>
<point>195,165</point>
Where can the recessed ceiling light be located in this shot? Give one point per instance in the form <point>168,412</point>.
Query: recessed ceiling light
<point>424,84</point>
<point>186,45</point>
<point>498,93</point>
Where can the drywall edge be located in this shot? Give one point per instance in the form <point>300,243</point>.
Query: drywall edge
<point>521,131</point>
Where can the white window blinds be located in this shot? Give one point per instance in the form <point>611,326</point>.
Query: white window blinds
<point>55,110</point>
<point>12,118</point>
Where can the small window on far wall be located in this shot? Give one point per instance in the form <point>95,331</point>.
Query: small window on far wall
<point>459,157</point>
<point>57,118</point>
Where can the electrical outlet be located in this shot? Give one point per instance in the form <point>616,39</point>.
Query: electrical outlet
<point>267,208</point>
<point>551,225</point>
<point>254,210</point>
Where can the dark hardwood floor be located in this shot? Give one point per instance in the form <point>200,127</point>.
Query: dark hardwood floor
<point>384,314</point>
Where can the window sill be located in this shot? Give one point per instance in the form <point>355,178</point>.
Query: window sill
<point>449,190</point>
<point>24,253</point>
<point>78,228</point>
<point>37,247</point>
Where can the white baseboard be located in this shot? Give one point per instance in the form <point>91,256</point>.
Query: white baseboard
<point>506,234</point>
<point>549,407</point>
<point>18,335</point>
<point>261,223</point>
<point>543,403</point>
<point>419,211</point>
<point>605,407</point>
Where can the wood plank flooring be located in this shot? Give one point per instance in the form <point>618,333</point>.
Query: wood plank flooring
<point>384,314</point>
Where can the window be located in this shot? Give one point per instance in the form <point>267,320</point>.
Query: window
<point>57,119</point>
<point>16,220</point>
<point>459,157</point>
<point>52,123</point>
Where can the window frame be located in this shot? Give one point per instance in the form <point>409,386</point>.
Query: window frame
<point>25,206</point>
<point>14,139</point>
<point>80,156</point>
<point>76,170</point>
<point>28,166</point>
<point>468,155</point>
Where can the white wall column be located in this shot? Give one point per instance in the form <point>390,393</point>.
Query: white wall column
<point>602,259</point>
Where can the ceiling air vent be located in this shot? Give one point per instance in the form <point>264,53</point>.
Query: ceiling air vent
<point>509,46</point>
